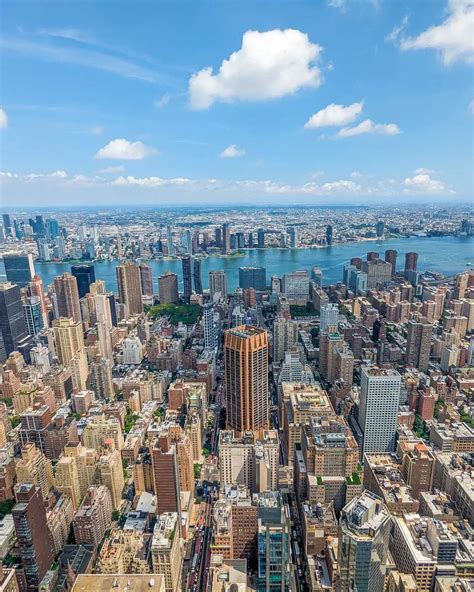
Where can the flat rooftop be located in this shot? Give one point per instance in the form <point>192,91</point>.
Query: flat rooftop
<point>119,583</point>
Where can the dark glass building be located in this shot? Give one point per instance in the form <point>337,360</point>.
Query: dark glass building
<point>197,276</point>
<point>187,279</point>
<point>329,235</point>
<point>253,277</point>
<point>19,268</point>
<point>12,320</point>
<point>85,276</point>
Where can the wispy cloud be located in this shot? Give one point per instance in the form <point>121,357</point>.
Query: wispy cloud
<point>80,56</point>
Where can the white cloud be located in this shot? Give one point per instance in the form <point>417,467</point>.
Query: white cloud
<point>369,127</point>
<point>162,101</point>
<point>341,186</point>
<point>356,175</point>
<point>453,38</point>
<point>149,181</point>
<point>232,152</point>
<point>395,33</point>
<point>113,169</point>
<point>339,4</point>
<point>423,171</point>
<point>317,174</point>
<point>121,149</point>
<point>334,115</point>
<point>423,183</point>
<point>268,66</point>
<point>3,119</point>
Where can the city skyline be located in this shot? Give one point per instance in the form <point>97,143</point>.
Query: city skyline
<point>152,114</point>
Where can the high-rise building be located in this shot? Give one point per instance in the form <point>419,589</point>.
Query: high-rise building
<point>218,283</point>
<point>7,224</point>
<point>274,533</point>
<point>13,329</point>
<point>378,408</point>
<point>19,268</point>
<point>168,288</point>
<point>170,241</point>
<point>166,555</point>
<point>418,344</point>
<point>67,296</point>
<point>130,287</point>
<point>391,257</point>
<point>211,327</point>
<point>329,316</point>
<point>261,238</point>
<point>295,286</point>
<point>246,378</point>
<point>53,228</point>
<point>35,288</point>
<point>364,531</point>
<point>44,252</point>
<point>146,279</point>
<point>70,349</point>
<point>166,475</point>
<point>93,517</point>
<point>378,272</point>
<point>380,228</point>
<point>411,261</point>
<point>34,541</point>
<point>85,276</point>
<point>226,238</point>
<point>293,234</point>
<point>329,342</point>
<point>33,315</point>
<point>285,337</point>
<point>329,235</point>
<point>111,475</point>
<point>187,279</point>
<point>252,277</point>
<point>197,276</point>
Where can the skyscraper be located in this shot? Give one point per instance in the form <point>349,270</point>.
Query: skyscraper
<point>378,408</point>
<point>85,276</point>
<point>380,228</point>
<point>246,378</point>
<point>170,241</point>
<point>33,315</point>
<point>226,238</point>
<point>418,344</point>
<point>391,257</point>
<point>285,337</point>
<point>364,531</point>
<point>165,473</point>
<point>69,342</point>
<point>261,238</point>
<point>44,252</point>
<point>19,268</point>
<point>293,233</point>
<point>13,328</point>
<point>218,283</point>
<point>411,261</point>
<point>329,235</point>
<point>187,278</point>
<point>35,288</point>
<point>67,295</point>
<point>168,288</point>
<point>130,287</point>
<point>329,316</point>
<point>7,224</point>
<point>252,277</point>
<point>32,533</point>
<point>197,276</point>
<point>211,328</point>
<point>146,279</point>
<point>273,543</point>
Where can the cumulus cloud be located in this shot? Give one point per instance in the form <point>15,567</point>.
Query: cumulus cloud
<point>3,118</point>
<point>121,149</point>
<point>369,127</point>
<point>149,181</point>
<point>453,38</point>
<point>423,183</point>
<point>232,152</point>
<point>269,65</point>
<point>334,115</point>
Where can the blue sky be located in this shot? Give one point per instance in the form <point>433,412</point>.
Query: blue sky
<point>337,101</point>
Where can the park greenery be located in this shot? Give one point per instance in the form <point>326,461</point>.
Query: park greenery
<point>177,313</point>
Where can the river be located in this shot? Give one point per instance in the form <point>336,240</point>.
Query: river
<point>447,255</point>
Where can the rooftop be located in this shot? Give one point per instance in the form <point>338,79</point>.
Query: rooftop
<point>119,583</point>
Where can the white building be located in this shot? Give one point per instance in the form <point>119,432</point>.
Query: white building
<point>378,408</point>
<point>132,352</point>
<point>329,316</point>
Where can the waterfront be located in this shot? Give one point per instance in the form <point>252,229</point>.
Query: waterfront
<point>446,255</point>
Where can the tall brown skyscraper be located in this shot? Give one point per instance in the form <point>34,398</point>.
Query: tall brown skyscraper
<point>246,378</point>
<point>67,295</point>
<point>391,257</point>
<point>411,261</point>
<point>418,345</point>
<point>29,518</point>
<point>130,287</point>
<point>166,476</point>
<point>146,277</point>
<point>168,288</point>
